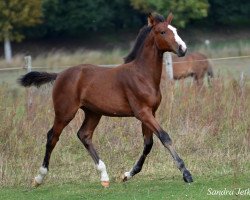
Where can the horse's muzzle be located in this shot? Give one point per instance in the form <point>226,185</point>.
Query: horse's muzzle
<point>181,51</point>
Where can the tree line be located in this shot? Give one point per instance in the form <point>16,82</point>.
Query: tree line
<point>48,18</point>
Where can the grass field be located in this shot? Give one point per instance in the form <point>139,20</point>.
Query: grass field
<point>155,188</point>
<point>209,127</point>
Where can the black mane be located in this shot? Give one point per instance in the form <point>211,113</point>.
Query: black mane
<point>140,39</point>
<point>143,33</point>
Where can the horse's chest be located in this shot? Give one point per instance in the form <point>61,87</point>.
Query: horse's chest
<point>142,91</point>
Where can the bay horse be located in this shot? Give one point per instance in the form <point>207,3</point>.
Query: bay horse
<point>128,90</point>
<point>194,65</point>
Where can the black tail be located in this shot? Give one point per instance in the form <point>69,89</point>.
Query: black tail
<point>36,79</point>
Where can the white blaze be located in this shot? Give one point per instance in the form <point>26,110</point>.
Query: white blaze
<point>179,41</point>
<point>102,168</point>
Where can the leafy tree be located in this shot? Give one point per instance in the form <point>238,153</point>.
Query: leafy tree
<point>74,17</point>
<point>14,15</point>
<point>229,12</point>
<point>183,10</point>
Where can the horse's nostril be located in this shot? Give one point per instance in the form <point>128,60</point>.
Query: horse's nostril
<point>181,51</point>
<point>180,48</point>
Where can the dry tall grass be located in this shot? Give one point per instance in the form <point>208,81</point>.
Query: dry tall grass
<point>210,129</point>
<point>61,59</point>
<point>224,49</point>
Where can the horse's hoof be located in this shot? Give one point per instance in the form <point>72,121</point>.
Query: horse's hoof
<point>187,177</point>
<point>124,178</point>
<point>35,184</point>
<point>105,184</point>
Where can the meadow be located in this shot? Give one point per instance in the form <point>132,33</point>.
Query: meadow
<point>210,128</point>
<point>58,60</point>
<point>136,189</point>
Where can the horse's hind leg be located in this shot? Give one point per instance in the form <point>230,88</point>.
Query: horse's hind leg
<point>85,134</point>
<point>52,138</point>
<point>148,143</point>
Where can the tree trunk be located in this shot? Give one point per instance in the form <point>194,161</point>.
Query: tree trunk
<point>7,50</point>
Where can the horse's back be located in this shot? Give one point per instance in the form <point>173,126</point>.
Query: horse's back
<point>201,62</point>
<point>182,67</point>
<point>192,64</point>
<point>93,87</point>
<point>197,55</point>
<point>70,78</point>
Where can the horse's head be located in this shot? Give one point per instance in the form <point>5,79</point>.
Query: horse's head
<point>166,37</point>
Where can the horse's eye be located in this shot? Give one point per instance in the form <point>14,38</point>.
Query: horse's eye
<point>163,32</point>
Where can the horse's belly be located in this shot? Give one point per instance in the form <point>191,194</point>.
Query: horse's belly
<point>106,101</point>
<point>107,106</point>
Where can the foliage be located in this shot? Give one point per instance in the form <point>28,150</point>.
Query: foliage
<point>15,14</point>
<point>70,16</point>
<point>78,16</point>
<point>229,12</point>
<point>183,10</point>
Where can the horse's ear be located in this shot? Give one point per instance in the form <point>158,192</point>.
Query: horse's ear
<point>169,18</point>
<point>151,20</point>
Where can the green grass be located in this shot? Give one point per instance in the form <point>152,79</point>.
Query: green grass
<point>137,188</point>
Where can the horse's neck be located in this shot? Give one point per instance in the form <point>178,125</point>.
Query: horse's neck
<point>149,62</point>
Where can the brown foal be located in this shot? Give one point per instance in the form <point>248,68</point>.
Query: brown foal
<point>194,65</point>
<point>131,89</point>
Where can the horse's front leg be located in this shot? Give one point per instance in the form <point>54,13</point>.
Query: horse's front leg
<point>146,116</point>
<point>148,143</point>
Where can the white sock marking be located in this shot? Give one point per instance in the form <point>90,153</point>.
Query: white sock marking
<point>128,175</point>
<point>102,168</point>
<point>42,173</point>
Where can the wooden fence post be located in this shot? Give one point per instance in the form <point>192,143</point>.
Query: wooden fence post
<point>28,67</point>
<point>242,81</point>
<point>169,65</point>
